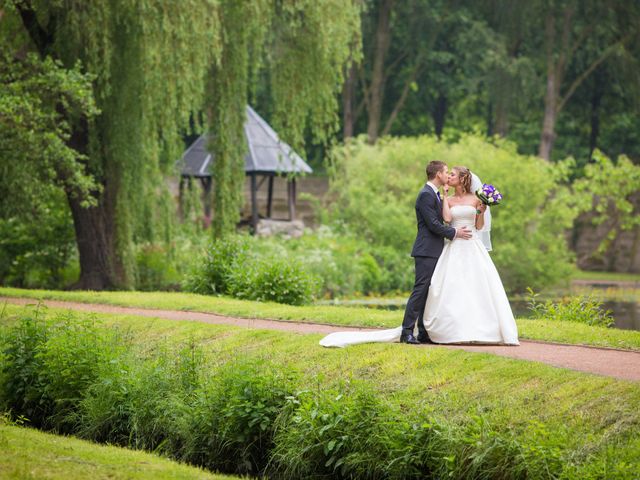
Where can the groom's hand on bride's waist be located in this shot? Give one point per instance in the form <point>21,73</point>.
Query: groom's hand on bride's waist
<point>463,232</point>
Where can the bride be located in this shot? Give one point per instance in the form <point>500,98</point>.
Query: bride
<point>467,302</point>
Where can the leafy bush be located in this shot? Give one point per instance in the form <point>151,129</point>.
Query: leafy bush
<point>333,435</point>
<point>351,433</point>
<point>48,367</point>
<point>141,404</point>
<point>222,258</point>
<point>295,270</point>
<point>347,264</point>
<point>21,390</point>
<point>233,267</point>
<point>37,250</point>
<point>245,417</point>
<point>231,424</point>
<point>580,308</point>
<point>104,414</point>
<point>275,279</point>
<point>156,269</point>
<point>376,188</point>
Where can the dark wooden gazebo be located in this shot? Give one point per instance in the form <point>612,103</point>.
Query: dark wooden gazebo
<point>267,157</point>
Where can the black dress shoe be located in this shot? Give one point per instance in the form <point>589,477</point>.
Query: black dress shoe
<point>424,338</point>
<point>410,339</point>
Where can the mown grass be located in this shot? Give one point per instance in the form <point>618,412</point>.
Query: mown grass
<point>605,276</point>
<point>593,421</point>
<point>26,453</point>
<point>562,332</point>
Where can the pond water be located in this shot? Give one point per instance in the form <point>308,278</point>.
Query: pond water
<point>626,314</point>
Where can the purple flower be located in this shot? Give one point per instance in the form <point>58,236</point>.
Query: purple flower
<point>489,195</point>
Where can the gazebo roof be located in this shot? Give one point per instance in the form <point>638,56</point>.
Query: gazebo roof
<point>266,153</point>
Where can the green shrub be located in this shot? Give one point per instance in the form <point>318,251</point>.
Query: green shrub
<point>275,279</point>
<point>38,250</point>
<point>142,404</point>
<point>104,414</point>
<point>475,450</point>
<point>231,424</point>
<point>250,269</point>
<point>48,367</point>
<point>334,434</point>
<point>155,268</point>
<point>376,187</point>
<point>21,389</point>
<point>222,258</point>
<point>585,309</point>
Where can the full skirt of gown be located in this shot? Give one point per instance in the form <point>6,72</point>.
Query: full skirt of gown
<point>466,303</point>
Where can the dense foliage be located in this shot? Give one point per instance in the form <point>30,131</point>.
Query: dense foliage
<point>231,267</point>
<point>585,309</point>
<point>376,187</point>
<point>252,416</point>
<point>557,78</point>
<point>96,96</point>
<point>297,270</point>
<point>157,69</point>
<point>37,247</point>
<point>39,100</point>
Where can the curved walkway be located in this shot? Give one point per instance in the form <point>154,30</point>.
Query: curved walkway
<point>619,364</point>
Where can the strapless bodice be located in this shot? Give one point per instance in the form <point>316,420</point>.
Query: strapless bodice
<point>463,216</point>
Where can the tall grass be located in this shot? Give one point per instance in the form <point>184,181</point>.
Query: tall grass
<point>247,415</point>
<point>230,426</point>
<point>48,368</point>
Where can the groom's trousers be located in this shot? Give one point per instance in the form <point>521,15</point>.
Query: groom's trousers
<point>414,311</point>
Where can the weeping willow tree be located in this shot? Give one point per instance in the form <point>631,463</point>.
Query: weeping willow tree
<point>304,46</point>
<point>156,66</point>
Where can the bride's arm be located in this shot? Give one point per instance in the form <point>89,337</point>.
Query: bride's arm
<point>480,208</point>
<point>446,208</point>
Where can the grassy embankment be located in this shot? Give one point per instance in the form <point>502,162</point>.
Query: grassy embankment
<point>28,453</point>
<point>562,332</point>
<point>592,422</point>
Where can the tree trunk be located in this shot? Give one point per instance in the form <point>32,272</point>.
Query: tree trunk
<point>596,99</point>
<point>439,113</point>
<point>348,93</point>
<point>96,247</point>
<point>101,267</point>
<point>551,94</point>
<point>403,97</point>
<point>376,92</point>
<point>550,117</point>
<point>490,125</point>
<point>501,125</point>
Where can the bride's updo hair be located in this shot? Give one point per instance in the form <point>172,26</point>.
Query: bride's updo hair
<point>464,174</point>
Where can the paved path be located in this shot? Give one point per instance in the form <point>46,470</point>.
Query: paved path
<point>600,361</point>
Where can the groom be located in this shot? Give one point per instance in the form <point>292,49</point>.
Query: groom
<point>427,249</point>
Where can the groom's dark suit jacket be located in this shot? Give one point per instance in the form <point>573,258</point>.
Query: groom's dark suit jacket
<point>431,229</point>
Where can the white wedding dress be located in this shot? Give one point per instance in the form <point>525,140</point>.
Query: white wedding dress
<point>466,302</point>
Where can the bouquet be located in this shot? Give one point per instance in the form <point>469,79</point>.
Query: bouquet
<point>489,195</point>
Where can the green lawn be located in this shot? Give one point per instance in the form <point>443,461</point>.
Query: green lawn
<point>606,276</point>
<point>563,332</point>
<point>29,454</point>
<point>593,420</point>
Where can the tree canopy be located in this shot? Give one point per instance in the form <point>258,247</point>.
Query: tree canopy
<point>156,69</point>
<point>559,78</point>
